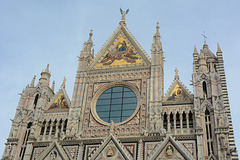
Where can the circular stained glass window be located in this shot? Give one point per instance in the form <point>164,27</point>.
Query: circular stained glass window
<point>117,104</point>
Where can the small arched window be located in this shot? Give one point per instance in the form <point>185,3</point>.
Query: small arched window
<point>204,85</point>
<point>35,101</point>
<point>190,116</point>
<point>165,120</point>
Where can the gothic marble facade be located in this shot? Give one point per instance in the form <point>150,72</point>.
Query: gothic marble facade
<point>119,109</point>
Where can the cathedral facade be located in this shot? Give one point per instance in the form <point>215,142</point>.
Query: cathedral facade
<point>119,109</point>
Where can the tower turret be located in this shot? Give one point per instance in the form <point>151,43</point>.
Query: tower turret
<point>209,104</point>
<point>45,77</point>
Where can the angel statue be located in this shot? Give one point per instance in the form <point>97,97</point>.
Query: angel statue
<point>123,13</point>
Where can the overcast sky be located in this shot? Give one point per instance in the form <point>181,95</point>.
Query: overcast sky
<point>34,33</point>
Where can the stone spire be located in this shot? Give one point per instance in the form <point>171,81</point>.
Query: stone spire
<point>53,86</point>
<point>157,52</point>
<point>195,49</point>
<point>45,77</point>
<point>84,48</point>
<point>87,53</point>
<point>219,54</point>
<point>89,42</point>
<point>157,66</point>
<point>218,48</point>
<point>157,45</point>
<point>33,81</point>
<point>195,54</point>
<point>47,69</point>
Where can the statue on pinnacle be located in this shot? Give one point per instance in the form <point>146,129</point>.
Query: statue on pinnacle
<point>123,13</point>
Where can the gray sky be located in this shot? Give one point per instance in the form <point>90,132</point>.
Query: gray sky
<point>36,33</point>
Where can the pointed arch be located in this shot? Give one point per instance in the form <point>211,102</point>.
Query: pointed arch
<point>190,116</point>
<point>165,121</point>
<point>204,86</point>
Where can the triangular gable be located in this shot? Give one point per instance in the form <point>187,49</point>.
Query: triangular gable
<point>206,102</point>
<point>177,94</point>
<point>111,148</point>
<point>121,50</point>
<point>71,151</point>
<point>54,150</point>
<point>59,102</point>
<point>171,149</point>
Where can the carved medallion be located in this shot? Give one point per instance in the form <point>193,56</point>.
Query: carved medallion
<point>169,151</point>
<point>53,155</point>
<point>110,152</point>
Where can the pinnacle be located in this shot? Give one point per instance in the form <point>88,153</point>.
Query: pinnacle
<point>33,81</point>
<point>218,48</point>
<point>84,46</point>
<point>195,49</point>
<point>156,37</point>
<point>90,35</point>
<point>53,86</point>
<point>47,69</point>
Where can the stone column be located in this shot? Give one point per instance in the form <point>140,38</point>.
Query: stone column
<point>45,130</point>
<point>57,129</point>
<point>50,132</point>
<point>168,123</point>
<point>63,121</point>
<point>181,125</point>
<point>174,119</point>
